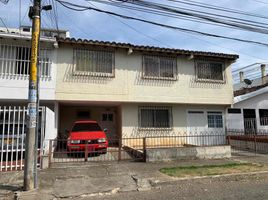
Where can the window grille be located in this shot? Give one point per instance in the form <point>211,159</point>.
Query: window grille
<point>15,60</point>
<point>234,110</point>
<point>94,63</point>
<point>155,117</point>
<point>215,120</point>
<point>263,113</point>
<point>209,70</point>
<point>158,67</point>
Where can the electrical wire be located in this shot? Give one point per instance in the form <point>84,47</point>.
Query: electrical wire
<point>77,7</point>
<point>218,8</point>
<point>248,25</point>
<point>134,29</point>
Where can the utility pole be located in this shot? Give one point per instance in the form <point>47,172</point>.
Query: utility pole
<point>30,149</point>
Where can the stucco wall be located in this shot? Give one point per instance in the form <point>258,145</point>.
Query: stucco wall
<point>130,126</point>
<point>129,86</point>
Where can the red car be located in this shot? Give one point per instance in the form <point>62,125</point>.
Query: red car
<point>87,132</point>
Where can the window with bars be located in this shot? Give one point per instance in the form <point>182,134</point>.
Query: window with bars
<point>159,67</point>
<point>155,117</point>
<point>15,60</point>
<point>209,70</point>
<point>215,120</point>
<point>93,62</point>
<point>263,113</point>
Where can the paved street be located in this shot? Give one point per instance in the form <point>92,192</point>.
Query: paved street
<point>232,188</point>
<point>123,181</point>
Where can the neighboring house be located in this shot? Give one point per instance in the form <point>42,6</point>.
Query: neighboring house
<point>139,91</point>
<point>249,114</point>
<point>14,80</point>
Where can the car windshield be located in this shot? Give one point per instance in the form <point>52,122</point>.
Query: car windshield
<point>80,127</point>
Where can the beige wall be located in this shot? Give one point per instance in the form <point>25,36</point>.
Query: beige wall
<point>129,86</point>
<point>130,126</point>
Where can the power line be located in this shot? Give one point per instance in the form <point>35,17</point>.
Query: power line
<point>77,7</point>
<point>218,8</point>
<point>161,13</point>
<point>192,15</point>
<point>1,19</point>
<point>134,29</point>
<point>4,1</point>
<point>248,25</point>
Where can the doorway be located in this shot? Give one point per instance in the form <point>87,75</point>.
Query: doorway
<point>250,125</point>
<point>108,123</point>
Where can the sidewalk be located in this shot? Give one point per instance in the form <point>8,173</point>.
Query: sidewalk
<point>91,179</point>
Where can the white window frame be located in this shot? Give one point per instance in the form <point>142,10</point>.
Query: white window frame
<point>204,113</point>
<point>218,113</point>
<point>197,62</point>
<point>88,52</point>
<point>170,117</point>
<point>159,77</point>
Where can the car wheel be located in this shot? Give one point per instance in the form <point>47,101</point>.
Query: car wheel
<point>69,154</point>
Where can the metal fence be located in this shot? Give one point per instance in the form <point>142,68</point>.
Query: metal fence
<point>13,128</point>
<point>133,149</point>
<point>94,150</point>
<point>242,141</point>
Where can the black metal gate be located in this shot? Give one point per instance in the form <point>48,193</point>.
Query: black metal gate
<point>131,149</point>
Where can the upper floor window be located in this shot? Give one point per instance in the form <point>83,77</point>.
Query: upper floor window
<point>94,63</point>
<point>159,67</point>
<point>15,60</point>
<point>155,117</point>
<point>210,71</point>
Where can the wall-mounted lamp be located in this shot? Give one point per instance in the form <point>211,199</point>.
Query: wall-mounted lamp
<point>191,57</point>
<point>130,51</point>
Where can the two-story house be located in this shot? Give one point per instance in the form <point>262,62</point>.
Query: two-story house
<point>133,91</point>
<point>139,91</point>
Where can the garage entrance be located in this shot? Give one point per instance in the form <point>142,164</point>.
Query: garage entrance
<point>108,116</point>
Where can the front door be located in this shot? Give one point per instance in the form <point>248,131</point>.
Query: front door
<point>250,121</point>
<point>196,124</point>
<point>108,123</point>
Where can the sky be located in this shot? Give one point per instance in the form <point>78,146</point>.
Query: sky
<point>100,26</point>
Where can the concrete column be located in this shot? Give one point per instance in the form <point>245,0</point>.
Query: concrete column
<point>57,112</point>
<point>263,70</point>
<point>241,76</point>
<point>263,73</point>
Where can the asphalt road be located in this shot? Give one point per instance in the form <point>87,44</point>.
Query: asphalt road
<point>254,187</point>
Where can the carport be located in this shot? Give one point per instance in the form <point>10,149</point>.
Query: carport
<point>108,115</point>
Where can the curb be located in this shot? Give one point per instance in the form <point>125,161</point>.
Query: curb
<point>159,183</point>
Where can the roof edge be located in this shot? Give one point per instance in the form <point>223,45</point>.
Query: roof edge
<point>147,48</point>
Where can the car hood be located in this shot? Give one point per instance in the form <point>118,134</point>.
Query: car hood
<point>87,135</point>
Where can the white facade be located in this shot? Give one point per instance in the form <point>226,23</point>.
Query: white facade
<point>14,61</point>
<point>256,101</point>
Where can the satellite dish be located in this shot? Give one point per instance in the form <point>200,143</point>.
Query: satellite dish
<point>248,82</point>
